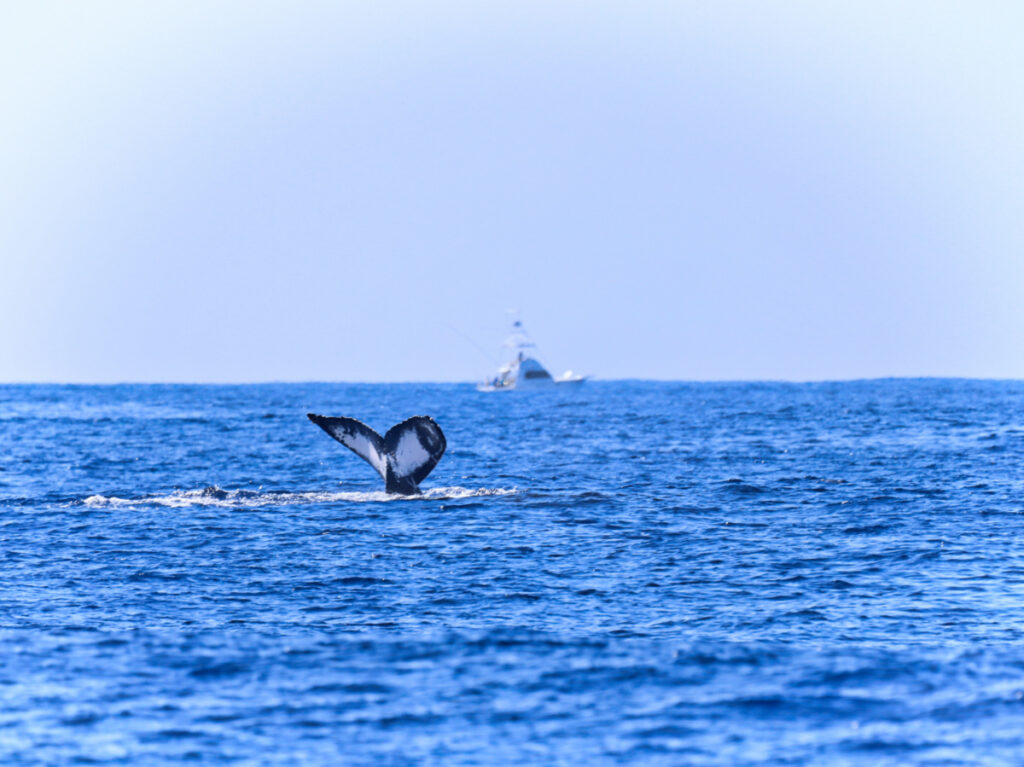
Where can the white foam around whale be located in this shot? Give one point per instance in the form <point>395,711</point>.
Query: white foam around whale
<point>215,496</point>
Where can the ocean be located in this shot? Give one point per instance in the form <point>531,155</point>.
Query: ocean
<point>618,573</point>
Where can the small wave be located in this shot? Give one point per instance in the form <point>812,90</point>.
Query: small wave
<point>215,496</point>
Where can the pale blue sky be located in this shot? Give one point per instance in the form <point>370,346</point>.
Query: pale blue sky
<point>327,191</point>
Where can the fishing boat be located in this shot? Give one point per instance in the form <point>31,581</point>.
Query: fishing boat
<point>524,370</point>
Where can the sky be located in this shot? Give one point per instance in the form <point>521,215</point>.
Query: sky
<point>253,191</point>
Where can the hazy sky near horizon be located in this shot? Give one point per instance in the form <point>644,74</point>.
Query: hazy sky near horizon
<point>251,191</point>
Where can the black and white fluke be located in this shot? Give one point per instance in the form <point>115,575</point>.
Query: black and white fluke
<point>403,457</point>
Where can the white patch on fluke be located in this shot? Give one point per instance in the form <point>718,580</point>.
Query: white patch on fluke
<point>366,450</point>
<point>409,454</point>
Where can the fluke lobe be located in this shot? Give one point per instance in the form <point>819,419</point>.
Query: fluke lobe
<point>403,457</point>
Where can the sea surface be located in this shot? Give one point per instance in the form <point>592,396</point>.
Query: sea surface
<point>620,573</point>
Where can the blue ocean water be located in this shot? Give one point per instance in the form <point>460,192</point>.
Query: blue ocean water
<point>622,573</point>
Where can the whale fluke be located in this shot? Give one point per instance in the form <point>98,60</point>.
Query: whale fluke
<point>403,457</point>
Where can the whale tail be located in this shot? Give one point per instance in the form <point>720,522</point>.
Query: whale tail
<point>403,457</point>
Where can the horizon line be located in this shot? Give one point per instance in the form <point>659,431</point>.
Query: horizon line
<point>307,382</point>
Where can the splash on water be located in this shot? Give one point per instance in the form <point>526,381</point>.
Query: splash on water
<point>215,496</point>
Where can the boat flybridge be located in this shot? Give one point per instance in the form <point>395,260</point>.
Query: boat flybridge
<point>524,371</point>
